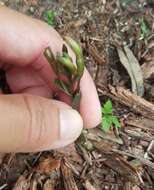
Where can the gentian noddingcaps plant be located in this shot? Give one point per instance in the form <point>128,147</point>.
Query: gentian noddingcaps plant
<point>62,64</point>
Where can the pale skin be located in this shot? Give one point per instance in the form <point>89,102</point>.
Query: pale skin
<point>30,120</point>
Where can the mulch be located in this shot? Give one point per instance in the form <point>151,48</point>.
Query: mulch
<point>121,159</point>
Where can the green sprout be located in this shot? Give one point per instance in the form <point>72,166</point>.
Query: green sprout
<point>50,17</point>
<point>108,118</point>
<point>63,65</point>
<point>144,28</point>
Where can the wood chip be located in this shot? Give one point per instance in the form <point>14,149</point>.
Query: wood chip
<point>142,160</point>
<point>136,188</point>
<point>141,125</point>
<point>71,153</point>
<point>94,53</point>
<point>88,185</point>
<point>122,167</point>
<point>48,185</point>
<point>68,179</point>
<point>148,69</point>
<point>22,183</point>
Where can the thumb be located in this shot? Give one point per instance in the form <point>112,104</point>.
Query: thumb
<point>32,123</point>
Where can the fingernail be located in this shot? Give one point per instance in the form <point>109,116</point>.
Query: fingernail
<point>71,125</point>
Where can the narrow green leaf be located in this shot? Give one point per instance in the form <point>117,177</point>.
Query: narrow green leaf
<point>73,45</point>
<point>116,122</point>
<point>50,58</point>
<point>63,86</point>
<point>80,67</point>
<point>76,101</point>
<point>144,28</point>
<point>66,55</point>
<point>107,108</point>
<point>106,122</point>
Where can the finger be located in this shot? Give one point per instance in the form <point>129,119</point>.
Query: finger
<point>90,107</point>
<point>24,38</point>
<point>32,123</point>
<point>27,80</point>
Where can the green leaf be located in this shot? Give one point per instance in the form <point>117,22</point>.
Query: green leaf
<point>107,108</point>
<point>50,58</point>
<point>63,86</point>
<point>106,122</point>
<point>76,101</point>
<point>116,122</point>
<point>144,28</point>
<point>50,16</point>
<point>80,67</point>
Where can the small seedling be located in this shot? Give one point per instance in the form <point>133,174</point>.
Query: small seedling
<point>50,17</point>
<point>144,28</point>
<point>63,65</point>
<point>108,118</point>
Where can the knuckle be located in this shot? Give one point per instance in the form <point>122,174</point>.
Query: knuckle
<point>36,125</point>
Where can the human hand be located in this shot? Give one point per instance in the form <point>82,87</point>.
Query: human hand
<point>30,120</point>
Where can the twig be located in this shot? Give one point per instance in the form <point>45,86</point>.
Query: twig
<point>142,160</point>
<point>148,149</point>
<point>3,186</point>
<point>139,126</point>
<point>94,53</point>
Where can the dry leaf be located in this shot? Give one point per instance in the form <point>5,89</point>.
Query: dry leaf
<point>48,165</point>
<point>133,68</point>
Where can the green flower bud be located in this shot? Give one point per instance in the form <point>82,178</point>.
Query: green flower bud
<point>67,63</point>
<point>79,56</point>
<point>74,46</point>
